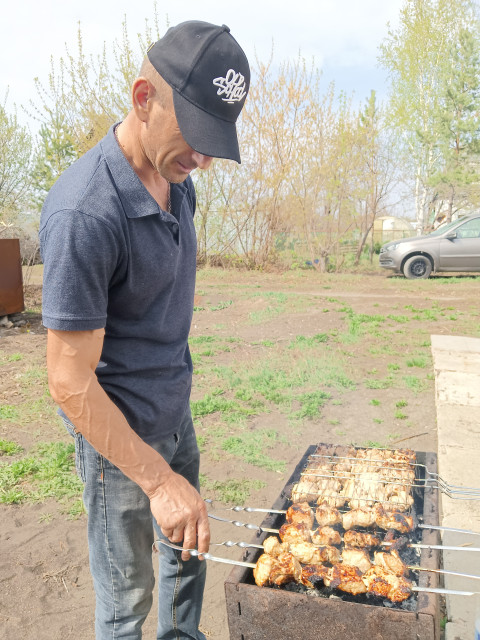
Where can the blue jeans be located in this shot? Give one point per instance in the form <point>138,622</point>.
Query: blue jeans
<point>120,537</point>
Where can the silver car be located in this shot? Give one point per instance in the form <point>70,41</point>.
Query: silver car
<point>452,247</point>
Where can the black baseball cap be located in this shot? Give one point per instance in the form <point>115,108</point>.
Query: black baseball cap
<point>210,77</point>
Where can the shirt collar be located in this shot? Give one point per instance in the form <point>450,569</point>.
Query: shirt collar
<point>136,200</point>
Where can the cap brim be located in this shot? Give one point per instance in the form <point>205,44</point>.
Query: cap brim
<point>205,133</point>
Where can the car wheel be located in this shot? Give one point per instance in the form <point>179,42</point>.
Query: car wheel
<point>417,267</point>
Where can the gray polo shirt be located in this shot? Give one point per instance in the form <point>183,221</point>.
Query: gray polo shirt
<point>114,259</point>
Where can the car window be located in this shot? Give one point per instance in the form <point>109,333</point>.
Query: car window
<point>470,229</point>
<point>443,228</point>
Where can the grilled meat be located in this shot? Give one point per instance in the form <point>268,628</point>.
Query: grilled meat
<point>384,584</point>
<point>306,489</point>
<point>305,552</point>
<point>274,547</point>
<point>405,456</point>
<point>367,517</point>
<point>313,574</point>
<point>286,568</point>
<point>356,558</point>
<point>327,516</point>
<point>393,520</point>
<point>263,568</point>
<point>390,562</point>
<point>362,517</point>
<point>360,539</point>
<point>300,512</point>
<point>325,535</point>
<point>308,553</point>
<point>345,578</point>
<point>294,533</point>
<point>362,479</point>
<point>328,554</point>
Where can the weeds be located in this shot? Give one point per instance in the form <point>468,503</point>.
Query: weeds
<point>249,447</point>
<point>419,362</point>
<point>305,343</point>
<point>415,384</point>
<point>233,491</point>
<point>373,383</point>
<point>9,412</point>
<point>9,448</point>
<point>48,471</point>
<point>311,404</point>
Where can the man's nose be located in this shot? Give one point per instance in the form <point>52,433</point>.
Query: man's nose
<point>202,162</point>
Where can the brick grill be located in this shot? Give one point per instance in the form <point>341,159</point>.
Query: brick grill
<point>263,613</point>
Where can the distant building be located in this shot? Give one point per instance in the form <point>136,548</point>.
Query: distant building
<point>388,228</point>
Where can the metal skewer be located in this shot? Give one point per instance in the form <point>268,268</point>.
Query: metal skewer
<point>420,526</point>
<point>433,481</point>
<point>445,572</point>
<point>254,527</point>
<point>244,545</point>
<point>207,556</point>
<point>251,565</point>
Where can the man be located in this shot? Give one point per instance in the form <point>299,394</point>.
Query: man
<point>118,245</point>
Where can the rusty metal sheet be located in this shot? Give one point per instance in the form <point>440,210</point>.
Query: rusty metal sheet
<point>256,613</point>
<point>263,614</point>
<point>11,282</point>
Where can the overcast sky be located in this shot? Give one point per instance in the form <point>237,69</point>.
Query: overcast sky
<point>341,35</point>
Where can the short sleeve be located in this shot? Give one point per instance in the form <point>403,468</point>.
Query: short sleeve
<point>80,257</point>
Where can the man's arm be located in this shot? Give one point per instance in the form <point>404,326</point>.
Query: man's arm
<point>72,357</point>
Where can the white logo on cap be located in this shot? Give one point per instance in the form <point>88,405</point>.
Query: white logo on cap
<point>232,86</point>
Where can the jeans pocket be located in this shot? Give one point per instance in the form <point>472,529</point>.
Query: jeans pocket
<point>79,457</point>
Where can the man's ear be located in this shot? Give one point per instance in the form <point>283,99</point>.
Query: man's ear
<point>142,92</point>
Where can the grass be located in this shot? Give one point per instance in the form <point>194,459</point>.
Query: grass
<point>305,342</point>
<point>250,447</point>
<point>415,384</point>
<point>9,448</point>
<point>234,491</point>
<point>420,362</point>
<point>375,383</point>
<point>9,412</point>
<point>359,324</point>
<point>311,403</point>
<point>269,386</point>
<point>47,471</point>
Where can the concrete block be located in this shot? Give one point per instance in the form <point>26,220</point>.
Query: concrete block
<point>460,362</point>
<point>457,388</point>
<point>457,631</point>
<point>455,343</point>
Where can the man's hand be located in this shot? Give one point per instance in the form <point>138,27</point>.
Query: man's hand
<point>181,514</point>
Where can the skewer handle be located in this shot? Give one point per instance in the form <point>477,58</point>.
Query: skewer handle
<point>439,528</point>
<point>439,546</point>
<point>208,556</point>
<point>450,592</point>
<point>444,572</point>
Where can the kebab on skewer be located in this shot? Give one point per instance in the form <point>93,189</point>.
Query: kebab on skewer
<point>360,479</point>
<point>300,521</point>
<point>347,578</point>
<point>326,515</point>
<point>308,553</point>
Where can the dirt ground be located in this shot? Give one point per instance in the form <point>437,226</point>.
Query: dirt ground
<point>45,587</point>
